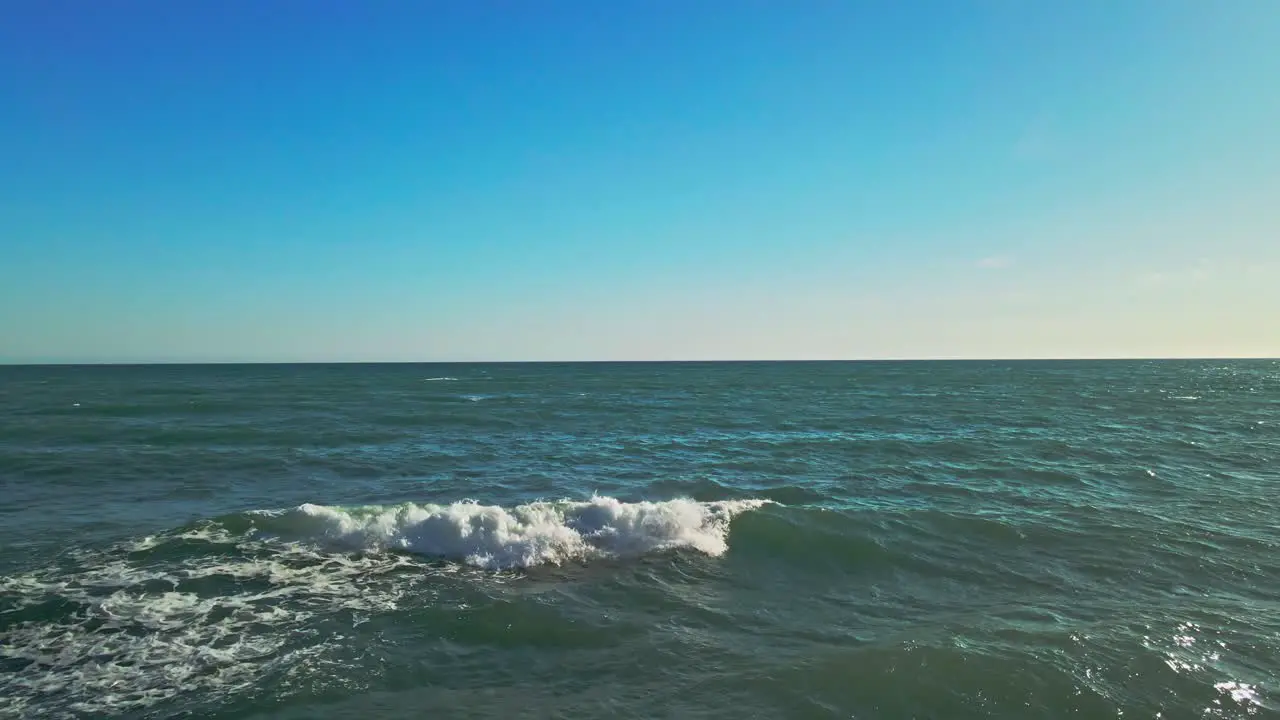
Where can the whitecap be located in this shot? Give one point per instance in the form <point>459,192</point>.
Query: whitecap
<point>494,537</point>
<point>140,630</point>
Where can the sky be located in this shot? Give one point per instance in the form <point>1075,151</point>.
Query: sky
<point>401,180</point>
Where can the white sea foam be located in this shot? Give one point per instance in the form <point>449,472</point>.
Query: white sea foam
<point>131,630</point>
<point>140,635</point>
<point>493,537</point>
<point>441,379</point>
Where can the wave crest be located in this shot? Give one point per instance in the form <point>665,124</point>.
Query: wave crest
<point>494,537</point>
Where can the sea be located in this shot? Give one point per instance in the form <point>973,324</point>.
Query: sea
<point>864,540</point>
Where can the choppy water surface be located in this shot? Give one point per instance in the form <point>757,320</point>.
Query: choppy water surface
<point>869,540</point>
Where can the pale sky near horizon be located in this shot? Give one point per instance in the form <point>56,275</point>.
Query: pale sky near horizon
<point>391,180</point>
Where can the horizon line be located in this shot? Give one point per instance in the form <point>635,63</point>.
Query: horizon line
<point>197,363</point>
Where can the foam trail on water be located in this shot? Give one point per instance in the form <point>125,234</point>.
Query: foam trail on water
<point>207,611</point>
<point>119,633</point>
<point>493,537</point>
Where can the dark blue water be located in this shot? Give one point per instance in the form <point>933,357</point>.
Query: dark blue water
<point>808,540</point>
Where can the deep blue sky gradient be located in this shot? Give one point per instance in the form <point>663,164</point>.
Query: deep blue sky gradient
<point>293,180</point>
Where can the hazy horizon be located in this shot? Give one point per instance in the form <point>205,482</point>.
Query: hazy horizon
<point>571,181</point>
<point>676,361</point>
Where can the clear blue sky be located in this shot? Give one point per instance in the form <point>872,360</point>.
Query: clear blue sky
<point>415,180</point>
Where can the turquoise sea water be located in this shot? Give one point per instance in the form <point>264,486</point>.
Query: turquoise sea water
<point>801,540</point>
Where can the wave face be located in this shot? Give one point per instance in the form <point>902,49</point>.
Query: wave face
<point>493,537</point>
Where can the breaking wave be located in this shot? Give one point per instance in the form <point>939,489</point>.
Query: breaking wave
<point>493,537</point>
<point>211,610</point>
